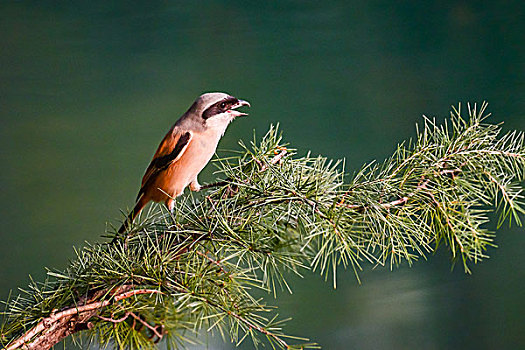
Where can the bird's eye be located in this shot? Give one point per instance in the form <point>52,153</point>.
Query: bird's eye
<point>222,105</point>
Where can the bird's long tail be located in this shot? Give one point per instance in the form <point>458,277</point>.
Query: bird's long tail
<point>132,215</point>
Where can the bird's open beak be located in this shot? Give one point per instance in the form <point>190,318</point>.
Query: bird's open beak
<point>239,104</point>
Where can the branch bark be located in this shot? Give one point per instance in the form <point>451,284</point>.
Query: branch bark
<point>59,325</point>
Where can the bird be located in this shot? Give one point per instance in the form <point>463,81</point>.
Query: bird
<point>185,150</point>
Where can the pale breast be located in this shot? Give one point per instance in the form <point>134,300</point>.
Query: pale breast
<point>196,156</point>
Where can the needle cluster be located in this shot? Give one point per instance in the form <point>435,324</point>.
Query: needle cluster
<point>195,269</point>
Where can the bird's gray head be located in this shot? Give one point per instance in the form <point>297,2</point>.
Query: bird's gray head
<point>216,110</point>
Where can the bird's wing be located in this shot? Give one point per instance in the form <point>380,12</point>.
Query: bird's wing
<point>170,150</point>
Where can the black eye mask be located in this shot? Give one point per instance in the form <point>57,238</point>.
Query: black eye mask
<point>219,107</point>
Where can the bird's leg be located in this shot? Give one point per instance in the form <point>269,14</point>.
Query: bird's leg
<point>170,204</point>
<point>194,185</point>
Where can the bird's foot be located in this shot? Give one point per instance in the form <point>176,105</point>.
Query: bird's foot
<point>194,186</point>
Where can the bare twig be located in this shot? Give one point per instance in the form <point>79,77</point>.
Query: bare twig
<point>150,327</point>
<point>421,186</point>
<point>400,201</point>
<point>118,320</point>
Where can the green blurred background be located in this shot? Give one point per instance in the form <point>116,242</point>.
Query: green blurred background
<point>88,88</point>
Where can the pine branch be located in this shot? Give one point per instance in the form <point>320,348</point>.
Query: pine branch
<point>61,324</point>
<point>273,212</point>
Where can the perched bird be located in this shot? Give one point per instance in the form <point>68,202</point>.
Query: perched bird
<point>185,150</point>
